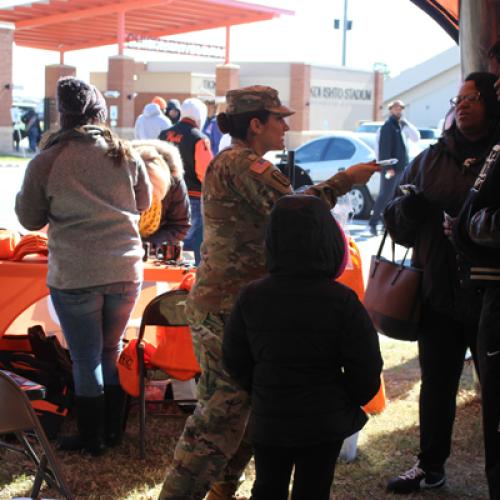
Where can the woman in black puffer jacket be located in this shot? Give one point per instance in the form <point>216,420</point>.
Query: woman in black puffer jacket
<point>305,349</point>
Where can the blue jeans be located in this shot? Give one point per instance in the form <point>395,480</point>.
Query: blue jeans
<point>194,236</point>
<point>33,138</point>
<point>93,321</point>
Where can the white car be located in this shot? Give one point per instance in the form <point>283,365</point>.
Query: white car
<point>367,132</point>
<point>369,127</point>
<point>325,156</point>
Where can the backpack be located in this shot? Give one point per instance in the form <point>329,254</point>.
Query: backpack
<point>43,360</point>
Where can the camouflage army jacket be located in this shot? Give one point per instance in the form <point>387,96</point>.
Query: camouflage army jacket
<point>239,191</point>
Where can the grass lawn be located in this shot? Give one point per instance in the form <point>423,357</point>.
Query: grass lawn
<point>387,446</point>
<point>9,160</point>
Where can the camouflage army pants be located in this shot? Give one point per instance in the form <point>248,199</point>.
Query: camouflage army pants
<point>214,445</point>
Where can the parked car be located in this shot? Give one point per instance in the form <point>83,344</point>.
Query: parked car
<point>429,136</point>
<point>369,138</point>
<point>367,126</point>
<point>325,156</point>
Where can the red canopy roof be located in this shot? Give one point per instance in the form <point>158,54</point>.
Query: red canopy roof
<point>64,25</point>
<point>444,12</point>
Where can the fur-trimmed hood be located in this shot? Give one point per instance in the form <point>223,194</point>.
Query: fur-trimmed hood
<point>158,155</point>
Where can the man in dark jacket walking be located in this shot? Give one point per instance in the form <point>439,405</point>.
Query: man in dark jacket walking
<point>305,349</point>
<point>392,144</point>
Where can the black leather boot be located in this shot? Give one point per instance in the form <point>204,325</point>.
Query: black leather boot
<point>116,401</point>
<point>90,423</point>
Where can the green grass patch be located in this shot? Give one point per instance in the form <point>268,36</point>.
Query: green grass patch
<point>387,446</point>
<point>6,160</point>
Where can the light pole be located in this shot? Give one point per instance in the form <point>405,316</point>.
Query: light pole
<point>346,26</point>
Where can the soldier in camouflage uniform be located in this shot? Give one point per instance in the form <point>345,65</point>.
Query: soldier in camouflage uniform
<point>239,192</point>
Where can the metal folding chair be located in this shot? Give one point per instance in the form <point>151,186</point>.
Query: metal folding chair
<point>166,310</point>
<point>18,417</point>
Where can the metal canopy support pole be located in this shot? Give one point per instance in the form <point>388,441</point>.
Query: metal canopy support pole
<point>479,30</point>
<point>61,57</point>
<point>121,32</point>
<point>228,45</point>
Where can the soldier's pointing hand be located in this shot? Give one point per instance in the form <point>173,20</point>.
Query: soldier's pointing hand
<point>361,172</point>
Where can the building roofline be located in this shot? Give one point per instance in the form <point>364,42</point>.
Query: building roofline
<point>420,73</point>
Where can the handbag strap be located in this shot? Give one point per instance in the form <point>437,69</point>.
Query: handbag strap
<point>381,246</point>
<point>490,160</point>
<point>393,249</point>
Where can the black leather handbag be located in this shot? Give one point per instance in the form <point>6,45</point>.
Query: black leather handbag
<point>392,296</point>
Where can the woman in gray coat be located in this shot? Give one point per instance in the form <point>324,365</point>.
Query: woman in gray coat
<point>89,187</point>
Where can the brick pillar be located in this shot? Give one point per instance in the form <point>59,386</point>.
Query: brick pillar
<point>378,95</point>
<point>52,74</point>
<point>6,43</point>
<point>227,77</point>
<point>121,70</point>
<point>300,89</point>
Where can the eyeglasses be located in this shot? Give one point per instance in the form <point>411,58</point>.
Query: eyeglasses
<point>455,101</point>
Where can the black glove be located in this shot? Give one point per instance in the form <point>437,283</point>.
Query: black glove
<point>414,206</point>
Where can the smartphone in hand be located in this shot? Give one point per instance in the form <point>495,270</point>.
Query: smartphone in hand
<point>388,163</point>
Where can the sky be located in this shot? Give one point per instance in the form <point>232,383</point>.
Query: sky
<point>393,32</point>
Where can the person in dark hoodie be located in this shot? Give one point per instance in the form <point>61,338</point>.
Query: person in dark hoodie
<point>305,349</point>
<point>173,110</point>
<point>89,187</point>
<point>441,177</point>
<point>239,192</point>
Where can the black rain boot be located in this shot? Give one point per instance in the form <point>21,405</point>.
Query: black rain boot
<point>90,423</point>
<point>116,401</point>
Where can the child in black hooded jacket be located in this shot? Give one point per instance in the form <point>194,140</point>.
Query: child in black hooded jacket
<point>305,349</point>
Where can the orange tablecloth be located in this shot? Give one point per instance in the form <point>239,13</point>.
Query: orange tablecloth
<point>23,284</point>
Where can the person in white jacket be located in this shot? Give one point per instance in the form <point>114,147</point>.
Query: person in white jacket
<point>151,122</point>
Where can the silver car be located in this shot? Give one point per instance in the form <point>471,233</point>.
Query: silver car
<point>325,156</point>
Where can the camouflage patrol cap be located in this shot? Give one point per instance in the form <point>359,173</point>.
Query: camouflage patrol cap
<point>255,98</point>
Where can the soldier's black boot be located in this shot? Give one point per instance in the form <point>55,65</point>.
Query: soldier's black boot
<point>116,401</point>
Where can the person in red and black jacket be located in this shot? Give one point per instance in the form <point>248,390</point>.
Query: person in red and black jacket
<point>196,155</point>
